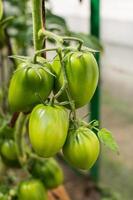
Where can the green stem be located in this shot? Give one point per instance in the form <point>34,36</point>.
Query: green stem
<point>35,156</point>
<point>42,51</point>
<point>65,85</point>
<point>47,34</point>
<point>75,39</point>
<point>18,136</point>
<point>62,88</point>
<point>37,23</point>
<point>95,128</point>
<point>63,103</point>
<point>58,39</point>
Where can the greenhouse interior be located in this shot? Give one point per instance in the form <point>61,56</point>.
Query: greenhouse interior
<point>66,89</point>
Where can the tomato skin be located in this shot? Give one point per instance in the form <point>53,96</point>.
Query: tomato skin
<point>48,126</point>
<point>81,148</point>
<point>82,74</point>
<point>9,153</point>
<point>26,83</point>
<point>49,172</point>
<point>32,190</point>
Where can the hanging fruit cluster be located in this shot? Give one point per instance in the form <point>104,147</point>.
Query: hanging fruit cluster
<point>45,95</point>
<point>48,93</point>
<point>72,76</point>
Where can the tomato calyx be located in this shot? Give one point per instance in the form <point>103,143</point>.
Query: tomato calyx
<point>80,125</point>
<point>29,64</point>
<point>103,135</point>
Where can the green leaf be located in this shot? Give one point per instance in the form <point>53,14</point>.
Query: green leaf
<point>56,23</point>
<point>6,21</point>
<point>95,123</point>
<point>106,138</point>
<point>1,9</point>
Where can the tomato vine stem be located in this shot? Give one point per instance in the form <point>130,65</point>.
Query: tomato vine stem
<point>59,39</point>
<point>35,156</point>
<point>74,39</point>
<point>47,34</point>
<point>65,85</point>
<point>38,52</point>
<point>18,137</point>
<point>37,23</point>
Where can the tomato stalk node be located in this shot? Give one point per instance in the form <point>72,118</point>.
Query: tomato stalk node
<point>49,35</point>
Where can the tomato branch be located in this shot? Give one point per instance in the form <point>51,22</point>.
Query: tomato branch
<point>37,23</point>
<point>74,39</point>
<point>47,34</point>
<point>42,51</point>
<point>65,85</point>
<point>59,39</point>
<point>18,136</point>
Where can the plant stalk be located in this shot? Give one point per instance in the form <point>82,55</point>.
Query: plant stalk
<point>37,23</point>
<point>65,85</point>
<point>18,137</point>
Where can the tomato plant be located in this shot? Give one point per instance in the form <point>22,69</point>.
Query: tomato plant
<point>40,91</point>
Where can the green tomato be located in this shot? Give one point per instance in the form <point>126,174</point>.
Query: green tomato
<point>81,148</point>
<point>48,126</point>
<point>31,190</point>
<point>8,152</point>
<point>82,74</point>
<point>1,9</point>
<point>49,172</point>
<point>28,83</point>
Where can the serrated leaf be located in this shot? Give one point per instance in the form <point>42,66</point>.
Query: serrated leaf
<point>107,139</point>
<point>55,22</point>
<point>1,9</point>
<point>96,123</point>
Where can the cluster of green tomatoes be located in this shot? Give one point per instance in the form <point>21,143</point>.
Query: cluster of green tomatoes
<point>52,126</point>
<point>45,175</point>
<point>49,93</point>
